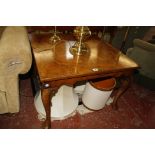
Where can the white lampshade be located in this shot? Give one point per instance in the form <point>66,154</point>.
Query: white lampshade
<point>64,103</point>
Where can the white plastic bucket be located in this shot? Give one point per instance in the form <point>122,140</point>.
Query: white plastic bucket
<point>96,94</point>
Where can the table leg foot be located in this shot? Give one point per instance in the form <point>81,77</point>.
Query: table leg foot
<point>46,99</point>
<point>46,124</point>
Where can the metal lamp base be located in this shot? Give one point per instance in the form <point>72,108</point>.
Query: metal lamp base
<point>55,39</point>
<point>78,49</point>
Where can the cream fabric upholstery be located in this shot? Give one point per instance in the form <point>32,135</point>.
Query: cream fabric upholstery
<point>15,59</point>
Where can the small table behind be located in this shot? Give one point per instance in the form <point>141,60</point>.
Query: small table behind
<point>56,66</point>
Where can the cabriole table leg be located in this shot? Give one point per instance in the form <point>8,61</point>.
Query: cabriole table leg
<point>125,82</point>
<point>46,99</point>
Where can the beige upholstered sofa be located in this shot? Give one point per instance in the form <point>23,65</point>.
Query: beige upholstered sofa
<point>144,54</point>
<point>15,59</point>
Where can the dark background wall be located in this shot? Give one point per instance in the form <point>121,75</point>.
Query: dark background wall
<point>134,32</point>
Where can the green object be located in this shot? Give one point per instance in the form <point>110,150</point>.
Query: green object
<point>143,53</point>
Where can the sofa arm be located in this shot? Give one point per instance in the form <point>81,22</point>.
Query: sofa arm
<point>15,49</point>
<point>144,57</point>
<point>25,61</point>
<point>144,45</point>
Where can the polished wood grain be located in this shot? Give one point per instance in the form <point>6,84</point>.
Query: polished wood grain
<point>56,66</point>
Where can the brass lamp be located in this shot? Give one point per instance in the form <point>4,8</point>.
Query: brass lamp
<point>55,38</point>
<point>81,33</point>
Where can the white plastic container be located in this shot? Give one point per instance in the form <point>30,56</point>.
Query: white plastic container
<point>64,103</point>
<point>96,94</point>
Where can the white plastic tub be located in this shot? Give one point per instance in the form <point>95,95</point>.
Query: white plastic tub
<point>96,94</point>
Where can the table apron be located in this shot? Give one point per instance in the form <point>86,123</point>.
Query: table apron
<point>55,84</point>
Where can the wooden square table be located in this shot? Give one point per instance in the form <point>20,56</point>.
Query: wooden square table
<point>56,66</point>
